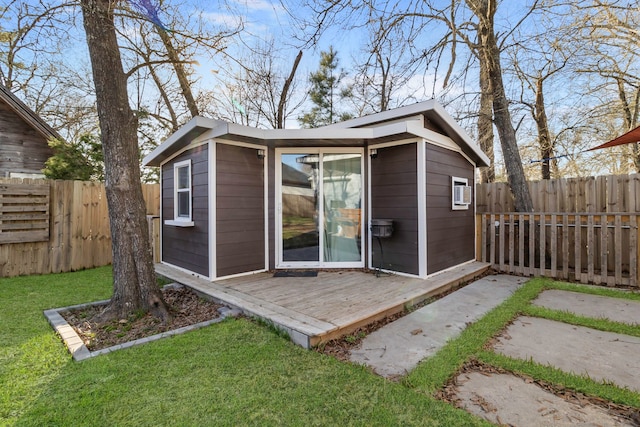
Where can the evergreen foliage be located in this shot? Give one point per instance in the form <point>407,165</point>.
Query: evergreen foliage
<point>81,160</point>
<point>326,88</point>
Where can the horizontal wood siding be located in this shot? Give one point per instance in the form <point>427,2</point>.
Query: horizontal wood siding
<point>394,195</point>
<point>22,148</point>
<point>450,233</point>
<point>24,213</point>
<point>188,247</point>
<point>240,243</point>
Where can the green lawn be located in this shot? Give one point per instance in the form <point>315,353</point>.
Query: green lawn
<point>233,373</point>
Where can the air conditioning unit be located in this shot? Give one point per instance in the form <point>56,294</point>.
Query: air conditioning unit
<point>462,195</point>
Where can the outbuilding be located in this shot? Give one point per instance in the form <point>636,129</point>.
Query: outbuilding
<point>24,138</point>
<point>392,191</point>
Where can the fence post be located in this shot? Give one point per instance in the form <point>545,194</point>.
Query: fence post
<point>635,259</point>
<point>479,237</point>
<point>153,222</point>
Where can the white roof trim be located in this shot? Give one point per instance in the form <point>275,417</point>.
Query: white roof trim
<point>192,125</point>
<point>409,110</point>
<point>348,130</point>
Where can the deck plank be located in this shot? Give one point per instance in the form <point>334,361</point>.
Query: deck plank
<point>329,305</point>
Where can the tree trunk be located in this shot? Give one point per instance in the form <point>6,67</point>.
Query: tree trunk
<point>181,73</point>
<point>134,282</point>
<point>285,91</point>
<point>544,136</point>
<point>490,53</point>
<point>485,125</point>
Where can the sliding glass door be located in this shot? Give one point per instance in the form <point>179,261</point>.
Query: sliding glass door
<point>320,208</point>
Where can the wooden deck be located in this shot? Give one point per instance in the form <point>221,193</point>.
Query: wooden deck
<point>317,309</point>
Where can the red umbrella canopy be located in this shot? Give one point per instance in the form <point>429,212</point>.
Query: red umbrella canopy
<point>628,138</point>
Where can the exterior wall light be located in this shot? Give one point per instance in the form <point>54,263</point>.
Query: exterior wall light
<point>373,153</point>
<point>261,154</point>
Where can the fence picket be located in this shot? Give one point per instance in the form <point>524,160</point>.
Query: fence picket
<point>618,251</point>
<point>565,246</point>
<point>521,229</point>
<point>501,229</point>
<point>604,245</point>
<point>543,246</point>
<point>511,243</point>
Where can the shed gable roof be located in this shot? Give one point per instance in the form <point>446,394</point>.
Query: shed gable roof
<point>27,114</point>
<point>399,123</point>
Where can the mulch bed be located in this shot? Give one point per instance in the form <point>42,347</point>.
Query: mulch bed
<point>186,308</point>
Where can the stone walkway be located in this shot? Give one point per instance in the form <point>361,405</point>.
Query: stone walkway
<point>506,399</point>
<point>398,347</point>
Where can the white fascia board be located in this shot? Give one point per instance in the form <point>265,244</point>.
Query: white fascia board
<point>387,115</point>
<point>192,125</point>
<point>457,129</point>
<point>318,133</point>
<point>293,134</point>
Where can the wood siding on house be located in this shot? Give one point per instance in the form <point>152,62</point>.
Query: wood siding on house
<point>394,195</point>
<point>240,216</point>
<point>22,148</point>
<point>450,233</point>
<point>187,247</point>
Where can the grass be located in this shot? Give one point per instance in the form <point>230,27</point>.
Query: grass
<point>238,372</point>
<point>434,372</point>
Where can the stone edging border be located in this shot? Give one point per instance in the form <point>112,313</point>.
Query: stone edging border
<point>80,352</point>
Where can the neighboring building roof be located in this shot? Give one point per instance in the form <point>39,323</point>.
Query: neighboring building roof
<point>390,125</point>
<point>294,177</point>
<point>630,137</point>
<point>27,114</point>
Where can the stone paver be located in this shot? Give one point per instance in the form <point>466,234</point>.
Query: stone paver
<point>595,306</point>
<point>399,346</point>
<point>509,400</point>
<point>603,356</point>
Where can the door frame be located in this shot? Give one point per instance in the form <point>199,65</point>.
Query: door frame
<point>320,151</point>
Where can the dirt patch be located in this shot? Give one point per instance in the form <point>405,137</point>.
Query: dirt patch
<point>506,398</point>
<point>186,307</point>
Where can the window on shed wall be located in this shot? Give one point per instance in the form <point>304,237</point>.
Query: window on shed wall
<point>182,198</point>
<point>460,193</point>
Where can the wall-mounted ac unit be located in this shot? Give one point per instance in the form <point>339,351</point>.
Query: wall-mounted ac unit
<point>462,195</point>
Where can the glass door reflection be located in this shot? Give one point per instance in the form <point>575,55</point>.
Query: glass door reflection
<point>342,199</point>
<point>300,227</point>
<point>321,208</point>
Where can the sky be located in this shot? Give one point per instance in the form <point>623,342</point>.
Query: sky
<point>264,19</point>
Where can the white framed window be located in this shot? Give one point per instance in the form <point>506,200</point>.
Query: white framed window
<point>182,200</point>
<point>460,193</point>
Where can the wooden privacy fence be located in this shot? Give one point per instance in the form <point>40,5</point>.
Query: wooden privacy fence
<point>56,226</point>
<point>597,248</point>
<point>614,193</point>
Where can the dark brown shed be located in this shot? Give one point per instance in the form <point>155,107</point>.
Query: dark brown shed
<point>238,200</point>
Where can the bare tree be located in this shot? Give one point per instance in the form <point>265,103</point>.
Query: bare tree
<point>383,71</point>
<point>262,92</point>
<point>610,36</point>
<point>476,32</point>
<point>536,65</point>
<point>134,282</point>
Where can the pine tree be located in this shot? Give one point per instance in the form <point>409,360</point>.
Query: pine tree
<point>325,90</point>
